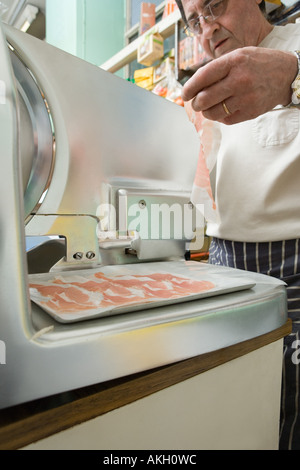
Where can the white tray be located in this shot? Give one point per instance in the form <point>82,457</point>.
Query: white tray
<point>81,295</point>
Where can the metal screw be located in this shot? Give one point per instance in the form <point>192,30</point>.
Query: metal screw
<point>78,255</point>
<point>90,255</point>
<point>142,204</point>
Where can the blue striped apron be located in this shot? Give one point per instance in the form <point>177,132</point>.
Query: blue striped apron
<point>280,259</point>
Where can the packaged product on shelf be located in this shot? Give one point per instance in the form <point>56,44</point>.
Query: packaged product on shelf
<point>147,19</point>
<point>199,54</point>
<point>170,7</point>
<point>186,53</point>
<point>144,78</point>
<point>169,88</point>
<point>161,89</point>
<point>150,49</point>
<point>162,69</point>
<point>190,53</point>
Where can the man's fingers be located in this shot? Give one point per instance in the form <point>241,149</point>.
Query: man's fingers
<point>205,77</point>
<point>219,112</point>
<point>212,96</point>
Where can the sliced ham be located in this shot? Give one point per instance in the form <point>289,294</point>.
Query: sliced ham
<point>69,294</point>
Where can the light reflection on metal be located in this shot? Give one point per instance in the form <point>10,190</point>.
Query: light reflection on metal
<point>36,121</point>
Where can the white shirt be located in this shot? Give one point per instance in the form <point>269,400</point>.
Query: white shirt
<point>257,190</point>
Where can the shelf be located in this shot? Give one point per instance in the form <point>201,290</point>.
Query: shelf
<point>165,27</point>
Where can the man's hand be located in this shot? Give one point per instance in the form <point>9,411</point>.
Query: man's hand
<point>250,80</point>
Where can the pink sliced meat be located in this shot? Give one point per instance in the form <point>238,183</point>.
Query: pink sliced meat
<point>69,294</point>
<point>208,135</point>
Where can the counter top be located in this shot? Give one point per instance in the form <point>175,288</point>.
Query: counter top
<point>28,423</point>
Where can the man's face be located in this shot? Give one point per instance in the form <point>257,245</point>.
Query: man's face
<point>242,24</point>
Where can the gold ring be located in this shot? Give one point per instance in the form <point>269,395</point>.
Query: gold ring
<point>225,108</point>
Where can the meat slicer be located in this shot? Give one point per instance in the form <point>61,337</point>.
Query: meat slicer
<point>84,156</point>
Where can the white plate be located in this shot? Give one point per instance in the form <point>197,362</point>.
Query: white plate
<point>67,297</point>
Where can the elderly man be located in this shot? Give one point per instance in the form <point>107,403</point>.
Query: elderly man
<point>250,89</point>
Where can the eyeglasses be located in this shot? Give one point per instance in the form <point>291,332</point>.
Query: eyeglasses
<point>211,12</point>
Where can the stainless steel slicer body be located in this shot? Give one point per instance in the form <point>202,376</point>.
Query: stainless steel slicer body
<point>84,154</point>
